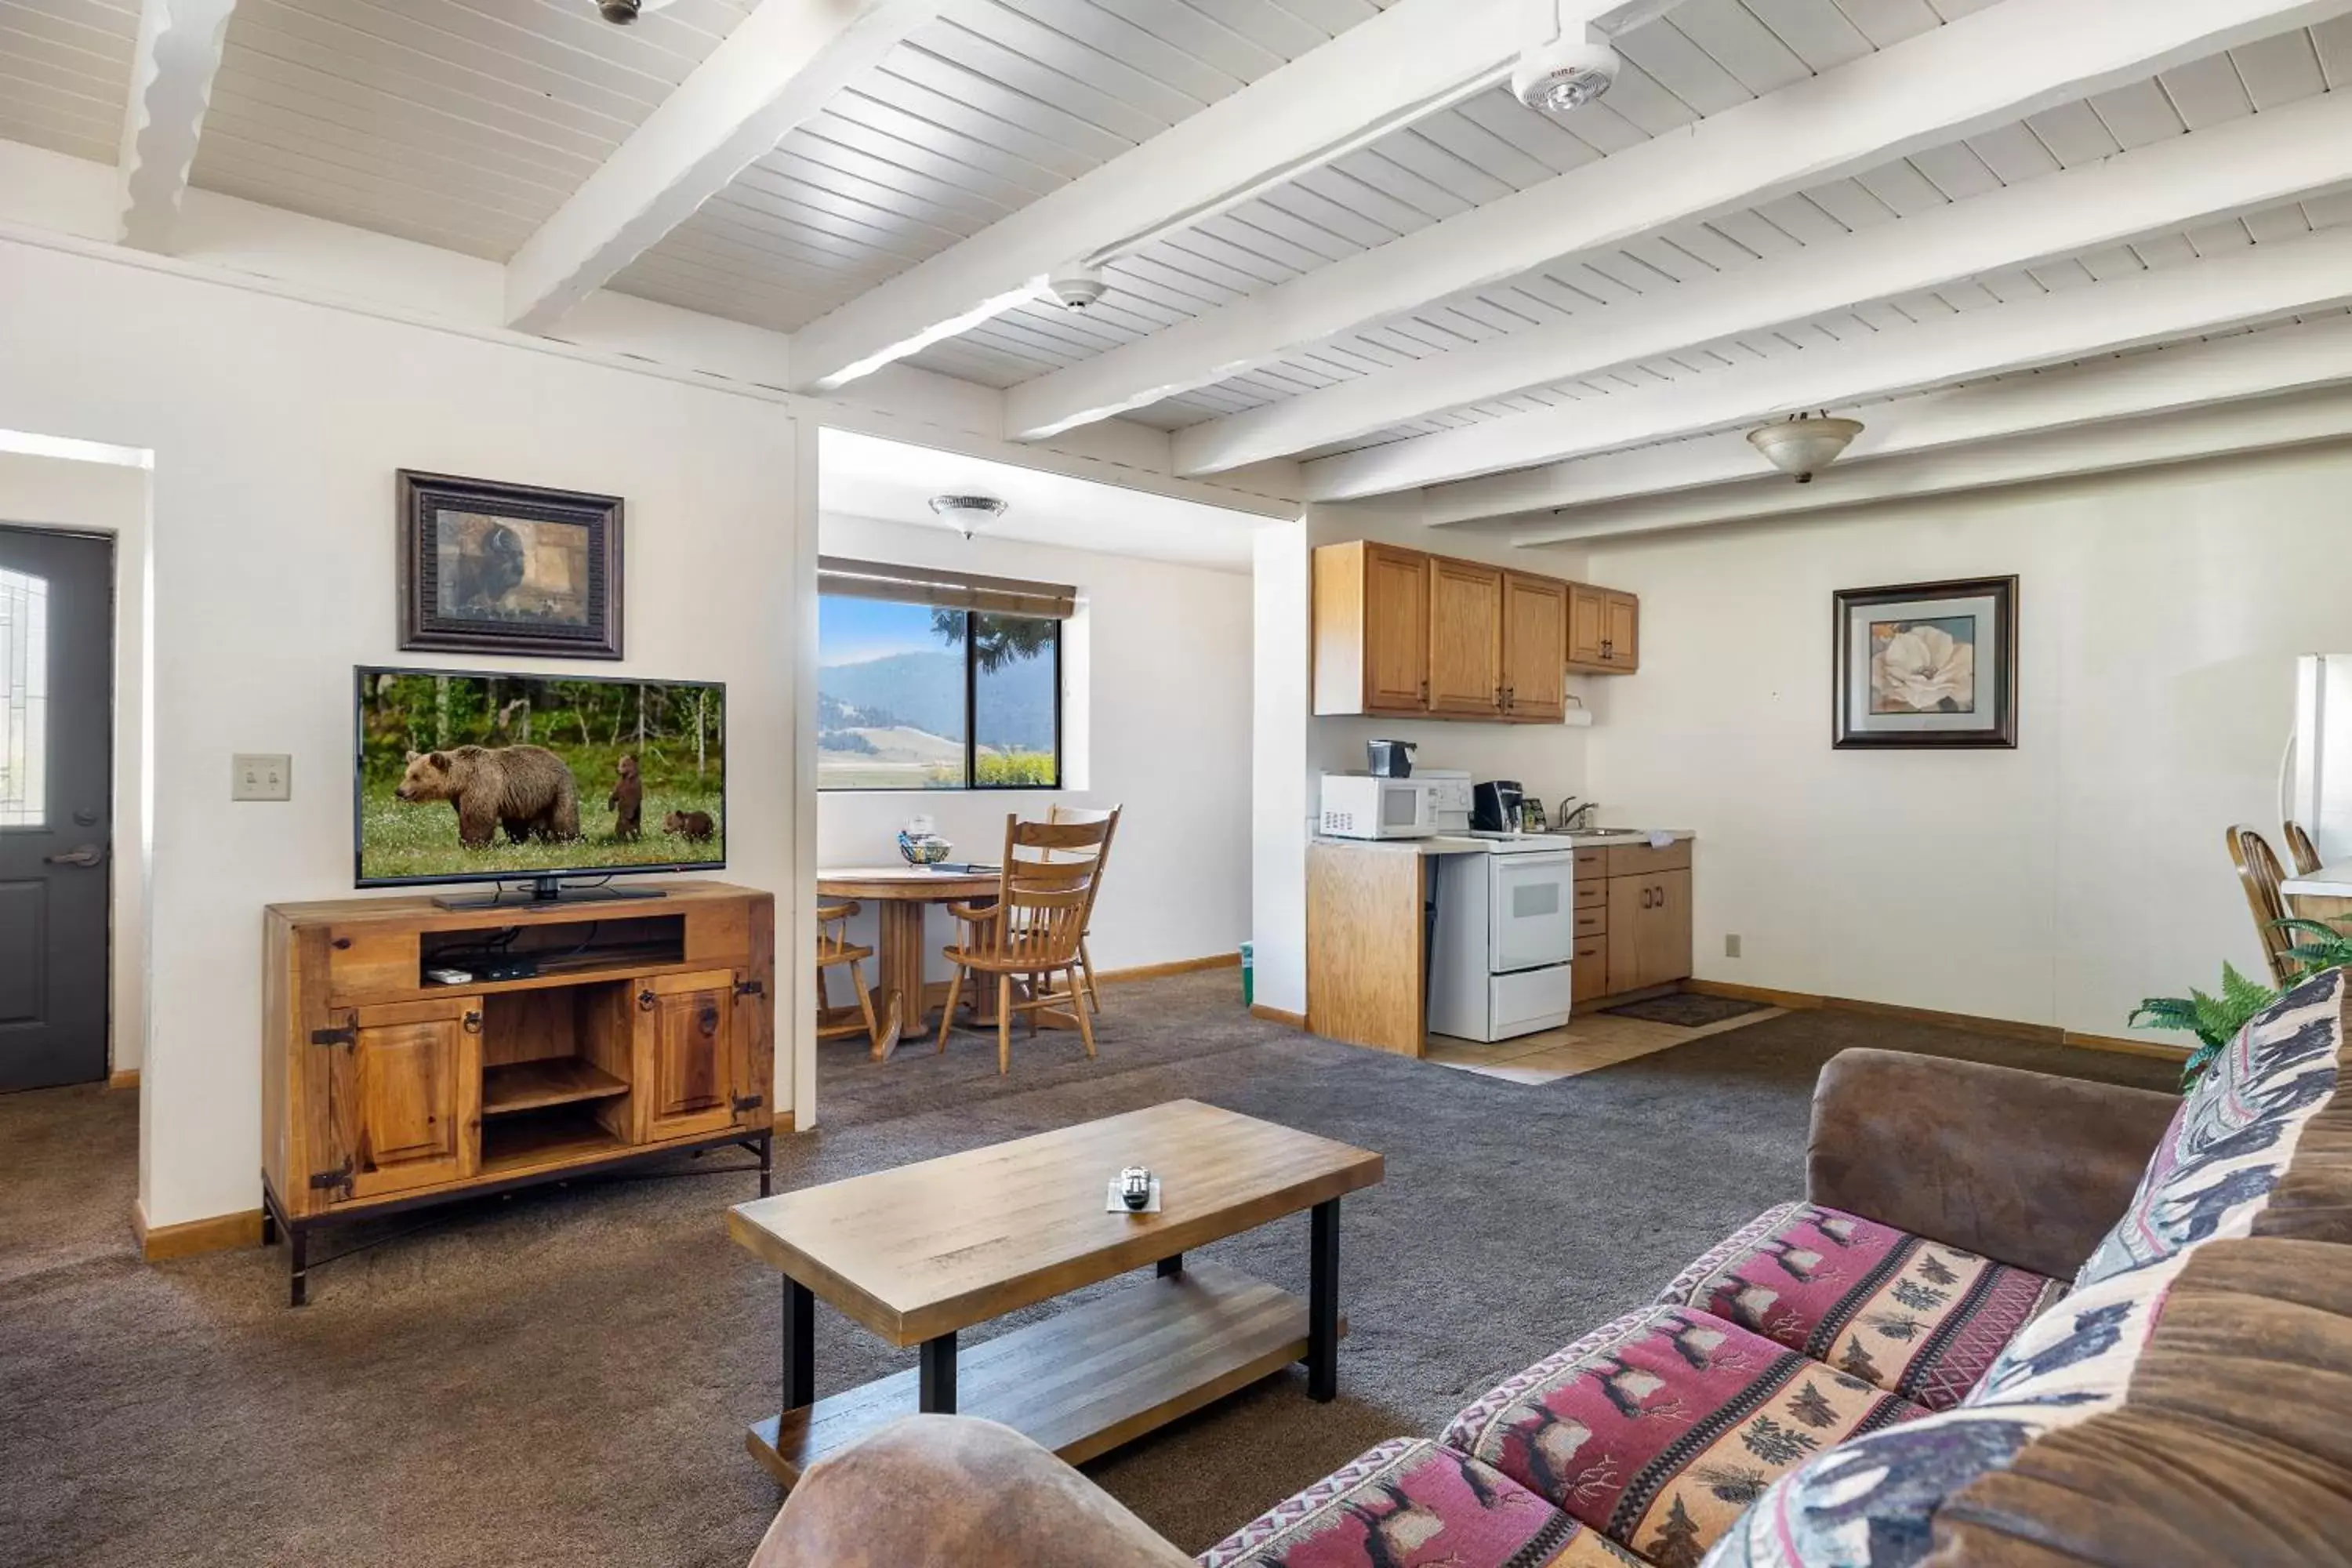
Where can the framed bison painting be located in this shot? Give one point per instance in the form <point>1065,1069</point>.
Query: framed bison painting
<point>1926,664</point>
<point>497,568</point>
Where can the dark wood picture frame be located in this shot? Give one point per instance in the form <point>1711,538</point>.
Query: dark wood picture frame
<point>425,622</point>
<point>2001,646</point>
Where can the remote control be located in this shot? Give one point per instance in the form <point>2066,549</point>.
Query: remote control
<point>1135,1187</point>
<point>447,976</point>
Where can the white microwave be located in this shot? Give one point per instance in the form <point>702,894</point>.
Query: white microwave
<point>1358,805</point>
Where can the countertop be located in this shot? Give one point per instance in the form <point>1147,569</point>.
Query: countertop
<point>1454,844</point>
<point>2327,882</point>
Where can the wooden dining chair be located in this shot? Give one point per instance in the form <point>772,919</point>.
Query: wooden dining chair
<point>1058,812</point>
<point>1030,934</point>
<point>835,950</point>
<point>2299,847</point>
<point>2259,874</point>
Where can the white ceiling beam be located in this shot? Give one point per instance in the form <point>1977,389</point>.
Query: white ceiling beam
<point>2259,283</point>
<point>1410,60</point>
<point>2244,165</point>
<point>781,65</point>
<point>1982,71</point>
<point>172,70</point>
<point>1714,478</point>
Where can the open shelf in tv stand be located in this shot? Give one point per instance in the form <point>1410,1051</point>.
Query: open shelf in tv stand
<point>640,1034</point>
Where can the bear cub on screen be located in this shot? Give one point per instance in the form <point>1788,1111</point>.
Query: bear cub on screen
<point>628,801</point>
<point>694,827</point>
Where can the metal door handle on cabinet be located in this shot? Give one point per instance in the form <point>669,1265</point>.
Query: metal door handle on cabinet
<point>644,1001</point>
<point>473,1022</point>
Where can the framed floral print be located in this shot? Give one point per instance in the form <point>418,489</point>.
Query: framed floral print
<point>1926,664</point>
<point>487,567</point>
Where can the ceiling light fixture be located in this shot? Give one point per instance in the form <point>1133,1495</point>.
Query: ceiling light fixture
<point>621,13</point>
<point>966,513</point>
<point>1564,75</point>
<point>1803,443</point>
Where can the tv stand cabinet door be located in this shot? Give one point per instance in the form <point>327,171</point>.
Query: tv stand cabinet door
<point>405,1096</point>
<point>686,1053</point>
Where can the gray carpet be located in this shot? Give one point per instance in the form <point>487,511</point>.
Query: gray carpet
<point>562,1377</point>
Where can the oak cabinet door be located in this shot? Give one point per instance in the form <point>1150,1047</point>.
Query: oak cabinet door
<point>1621,642</point>
<point>1465,637</point>
<point>1535,647</point>
<point>686,1033</point>
<point>1588,623</point>
<point>1629,911</point>
<point>404,1095</point>
<point>1396,628</point>
<point>1666,939</point>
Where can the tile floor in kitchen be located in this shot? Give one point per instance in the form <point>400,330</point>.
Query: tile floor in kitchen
<point>1588,1042</point>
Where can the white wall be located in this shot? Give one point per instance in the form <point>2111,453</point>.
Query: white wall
<point>1155,719</point>
<point>109,498</point>
<point>276,427</point>
<point>2058,883</point>
<point>1293,747</point>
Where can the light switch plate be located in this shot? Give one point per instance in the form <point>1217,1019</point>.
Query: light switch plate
<point>261,775</point>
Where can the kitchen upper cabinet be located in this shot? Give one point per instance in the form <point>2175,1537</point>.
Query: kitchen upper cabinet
<point>1465,639</point>
<point>1604,630</point>
<point>1398,633</point>
<point>1371,629</point>
<point>1535,633</point>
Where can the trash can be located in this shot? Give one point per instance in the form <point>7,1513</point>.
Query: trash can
<point>1249,976</point>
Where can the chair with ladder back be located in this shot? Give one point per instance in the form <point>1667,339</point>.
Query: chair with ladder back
<point>835,950</point>
<point>1045,890</point>
<point>2259,874</point>
<point>2299,847</point>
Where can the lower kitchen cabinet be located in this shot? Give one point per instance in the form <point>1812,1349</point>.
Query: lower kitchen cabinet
<point>1632,919</point>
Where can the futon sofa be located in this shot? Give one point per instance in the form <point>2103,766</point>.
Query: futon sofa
<point>2017,1320</point>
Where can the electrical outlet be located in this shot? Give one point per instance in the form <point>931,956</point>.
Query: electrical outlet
<point>261,775</point>
<point>1731,944</point>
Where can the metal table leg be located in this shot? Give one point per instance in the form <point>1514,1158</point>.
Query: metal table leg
<point>1172,1267</point>
<point>1323,1301</point>
<point>937,1376</point>
<point>800,1345</point>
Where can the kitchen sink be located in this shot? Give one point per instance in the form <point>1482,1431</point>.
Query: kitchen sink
<point>1608,832</point>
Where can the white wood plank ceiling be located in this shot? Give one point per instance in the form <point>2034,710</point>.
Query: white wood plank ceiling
<point>64,72</point>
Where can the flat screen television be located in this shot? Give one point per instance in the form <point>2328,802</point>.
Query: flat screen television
<point>466,777</point>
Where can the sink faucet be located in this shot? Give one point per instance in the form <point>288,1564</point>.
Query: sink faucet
<point>1574,818</point>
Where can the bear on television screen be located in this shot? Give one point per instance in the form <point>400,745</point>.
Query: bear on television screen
<point>526,790</point>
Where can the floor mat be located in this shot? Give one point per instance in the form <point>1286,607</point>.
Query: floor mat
<point>1686,1009</point>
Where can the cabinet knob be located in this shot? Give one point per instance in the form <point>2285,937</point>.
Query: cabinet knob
<point>644,1001</point>
<point>473,1021</point>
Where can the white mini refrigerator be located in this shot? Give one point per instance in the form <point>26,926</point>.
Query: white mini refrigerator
<point>1500,961</point>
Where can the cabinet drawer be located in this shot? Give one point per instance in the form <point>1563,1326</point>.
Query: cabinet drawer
<point>1591,895</point>
<point>1591,863</point>
<point>365,963</point>
<point>1594,922</point>
<point>1591,968</point>
<point>1641,860</point>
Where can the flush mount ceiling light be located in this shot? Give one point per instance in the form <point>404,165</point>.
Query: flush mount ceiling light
<point>621,13</point>
<point>1564,75</point>
<point>966,513</point>
<point>1803,443</point>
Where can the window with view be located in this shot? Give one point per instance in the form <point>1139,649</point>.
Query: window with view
<point>931,696</point>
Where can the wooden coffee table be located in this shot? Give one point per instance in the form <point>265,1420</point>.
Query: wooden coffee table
<point>918,1253</point>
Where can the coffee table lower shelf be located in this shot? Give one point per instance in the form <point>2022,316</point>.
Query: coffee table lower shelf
<point>1086,1380</point>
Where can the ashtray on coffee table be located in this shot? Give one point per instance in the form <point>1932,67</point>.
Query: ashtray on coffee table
<point>918,1253</point>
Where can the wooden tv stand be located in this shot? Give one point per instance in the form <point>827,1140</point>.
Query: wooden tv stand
<point>642,1029</point>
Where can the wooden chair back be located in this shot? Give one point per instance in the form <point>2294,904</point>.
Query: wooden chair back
<point>2259,874</point>
<point>1044,892</point>
<point>833,945</point>
<point>2299,847</point>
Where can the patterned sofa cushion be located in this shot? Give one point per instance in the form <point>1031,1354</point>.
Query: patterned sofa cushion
<point>2263,1146</point>
<point>1659,1428</point>
<point>1412,1504</point>
<point>1911,1316</point>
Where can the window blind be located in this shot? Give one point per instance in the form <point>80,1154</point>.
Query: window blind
<point>949,590</point>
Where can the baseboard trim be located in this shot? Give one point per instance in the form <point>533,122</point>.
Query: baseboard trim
<point>1173,967</point>
<point>190,1238</point>
<point>1279,1016</point>
<point>122,1078</point>
<point>1975,1024</point>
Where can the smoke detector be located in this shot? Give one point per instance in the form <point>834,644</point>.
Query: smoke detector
<point>1564,75</point>
<point>966,513</point>
<point>1804,444</point>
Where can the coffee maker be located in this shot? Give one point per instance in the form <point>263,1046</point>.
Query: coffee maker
<point>1495,806</point>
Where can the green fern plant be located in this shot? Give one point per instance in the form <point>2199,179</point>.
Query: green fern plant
<point>2216,1020</point>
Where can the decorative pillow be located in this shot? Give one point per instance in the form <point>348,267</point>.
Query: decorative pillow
<point>1659,1428</point>
<point>1872,1503</point>
<point>2262,1146</point>
<point>1911,1316</point>
<point>1412,1504</point>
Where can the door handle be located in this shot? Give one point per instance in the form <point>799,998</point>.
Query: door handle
<point>81,854</point>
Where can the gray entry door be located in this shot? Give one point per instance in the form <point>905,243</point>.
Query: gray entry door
<point>57,830</point>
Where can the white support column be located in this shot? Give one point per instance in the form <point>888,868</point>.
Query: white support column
<point>781,64</point>
<point>172,70</point>
<point>1982,71</point>
<point>2262,283</point>
<point>2242,166</point>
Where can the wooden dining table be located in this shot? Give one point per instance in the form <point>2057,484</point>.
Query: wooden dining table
<point>900,895</point>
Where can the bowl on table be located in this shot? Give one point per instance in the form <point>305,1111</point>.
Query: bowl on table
<point>923,848</point>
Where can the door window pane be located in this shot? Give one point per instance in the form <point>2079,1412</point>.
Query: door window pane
<point>890,695</point>
<point>23,698</point>
<point>1016,682</point>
